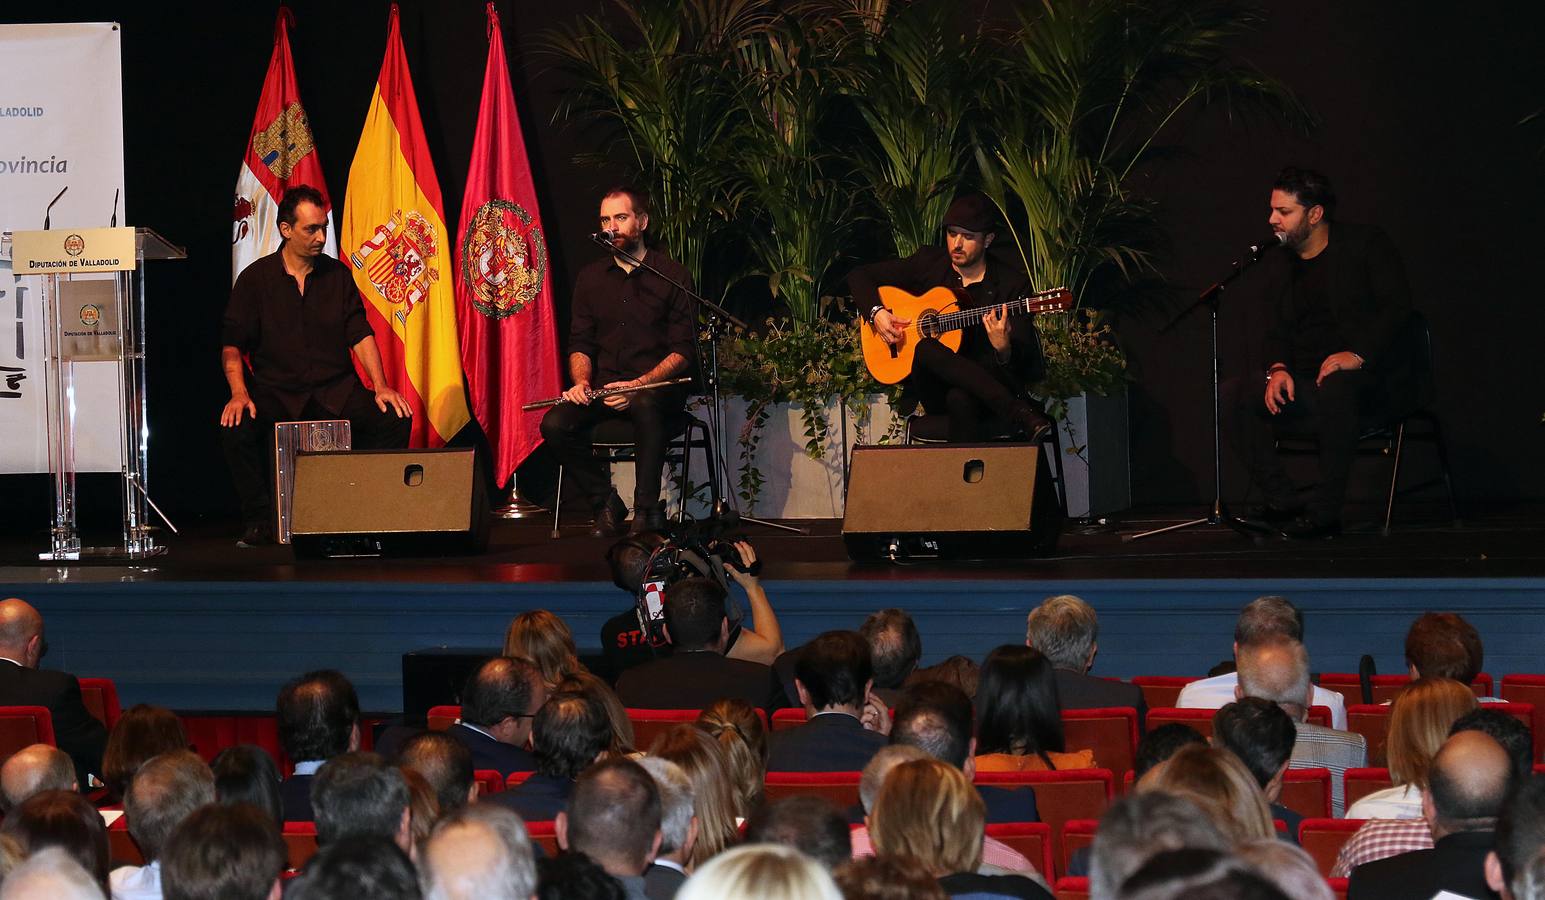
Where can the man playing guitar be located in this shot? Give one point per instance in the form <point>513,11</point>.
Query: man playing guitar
<point>985,381</point>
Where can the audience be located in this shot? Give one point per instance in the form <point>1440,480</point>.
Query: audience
<point>621,743</point>
<point>360,794</point>
<point>1419,721</point>
<point>713,799</point>
<point>678,828</point>
<point>22,683</point>
<point>62,819</point>
<point>936,717</point>
<point>1140,825</point>
<point>544,639</point>
<point>1192,873</point>
<point>1287,867</point>
<point>1261,735</point>
<point>478,852</point>
<point>1067,632</point>
<point>143,732</point>
<point>894,650</point>
<point>1160,744</point>
<point>423,808</point>
<point>32,770</point>
<point>1018,717</point>
<point>318,717</point>
<point>1220,785</point>
<point>225,851</point>
<point>357,867</point>
<point>1520,841</point>
<point>247,774</point>
<point>807,823</point>
<point>1444,645</point>
<point>50,874</point>
<point>446,764</point>
<point>761,872</point>
<point>575,876</point>
<point>164,792</point>
<point>834,680</point>
<point>571,732</point>
<point>614,818</point>
<point>498,704</point>
<point>895,877</point>
<point>743,738</point>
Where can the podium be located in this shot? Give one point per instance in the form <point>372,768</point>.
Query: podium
<point>94,311</point>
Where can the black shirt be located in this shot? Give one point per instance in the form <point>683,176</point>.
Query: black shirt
<point>298,344</point>
<point>628,322</point>
<point>1315,333</point>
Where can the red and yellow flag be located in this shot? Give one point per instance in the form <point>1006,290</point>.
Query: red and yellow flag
<point>395,240</point>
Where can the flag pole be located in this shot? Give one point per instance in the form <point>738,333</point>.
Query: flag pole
<point>518,507</point>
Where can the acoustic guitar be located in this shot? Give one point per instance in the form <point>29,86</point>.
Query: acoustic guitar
<point>937,314</point>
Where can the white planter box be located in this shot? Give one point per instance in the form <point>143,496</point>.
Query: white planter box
<point>1098,478</point>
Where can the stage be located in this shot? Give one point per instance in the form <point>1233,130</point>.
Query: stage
<point>211,627</point>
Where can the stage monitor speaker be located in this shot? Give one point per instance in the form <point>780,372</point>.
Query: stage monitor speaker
<point>389,503</point>
<point>958,501</point>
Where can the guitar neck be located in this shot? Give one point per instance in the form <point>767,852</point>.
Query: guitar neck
<point>1049,301</point>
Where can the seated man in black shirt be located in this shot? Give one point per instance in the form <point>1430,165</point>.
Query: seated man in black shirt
<point>628,327</point>
<point>1333,351</point>
<point>986,379</point>
<point>295,314</point>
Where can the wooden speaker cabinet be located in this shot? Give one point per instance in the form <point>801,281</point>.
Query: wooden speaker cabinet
<point>389,502</point>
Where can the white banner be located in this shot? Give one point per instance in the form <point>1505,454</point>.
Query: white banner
<point>61,127</point>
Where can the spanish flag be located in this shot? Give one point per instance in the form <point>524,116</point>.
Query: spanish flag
<point>395,240</point>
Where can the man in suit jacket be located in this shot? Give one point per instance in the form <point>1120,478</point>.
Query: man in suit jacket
<point>1469,783</point>
<point>697,673</point>
<point>1338,346</point>
<point>937,718</point>
<point>615,820</point>
<point>834,681</point>
<point>22,683</point>
<point>571,731</point>
<point>678,828</point>
<point>318,718</point>
<point>1066,631</point>
<point>498,704</point>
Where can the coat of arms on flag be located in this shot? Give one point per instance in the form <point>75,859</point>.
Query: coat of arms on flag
<point>397,260</point>
<point>503,258</point>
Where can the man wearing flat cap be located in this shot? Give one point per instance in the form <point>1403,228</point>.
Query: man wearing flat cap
<point>982,385</point>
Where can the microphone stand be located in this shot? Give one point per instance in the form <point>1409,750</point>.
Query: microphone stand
<point>1212,299</point>
<point>717,317</point>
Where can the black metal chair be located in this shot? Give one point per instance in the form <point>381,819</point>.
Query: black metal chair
<point>934,429</point>
<point>613,442</point>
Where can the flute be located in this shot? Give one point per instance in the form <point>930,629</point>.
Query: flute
<point>609,392</point>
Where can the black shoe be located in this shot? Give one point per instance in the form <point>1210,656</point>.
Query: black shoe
<point>256,535</point>
<point>650,518</point>
<point>1031,422</point>
<point>1305,528</point>
<point>1274,513</point>
<point>609,518</point>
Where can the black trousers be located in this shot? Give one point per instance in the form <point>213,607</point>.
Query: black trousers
<point>249,446</point>
<point>960,387</point>
<point>567,430</point>
<point>1331,412</point>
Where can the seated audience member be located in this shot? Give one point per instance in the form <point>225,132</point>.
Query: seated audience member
<point>361,794</point>
<point>895,877</point>
<point>957,671</point>
<point>1467,786</point>
<point>894,650</point>
<point>1217,782</point>
<point>1263,620</point>
<point>318,717</point>
<point>1279,671</point>
<point>698,672</point>
<point>423,809</point>
<point>22,646</point>
<point>50,874</point>
<point>1287,866</point>
<point>928,810</point>
<point>143,732</point>
<point>743,738</point>
<point>164,792</point>
<point>936,717</point>
<point>1018,718</point>
<point>32,770</point>
<point>498,704</point>
<point>1381,838</point>
<point>809,824</point>
<point>600,692</point>
<point>478,852</point>
<point>614,818</point>
<point>1444,645</point>
<point>678,828</point>
<point>1160,744</point>
<point>225,851</point>
<point>247,774</point>
<point>446,764</point>
<point>574,876</point>
<point>1261,735</point>
<point>1066,631</point>
<point>713,797</point>
<point>761,872</point>
<point>1419,722</point>
<point>543,638</point>
<point>357,867</point>
<point>834,679</point>
<point>1139,825</point>
<point>62,819</point>
<point>1520,842</point>
<point>570,734</point>
<point>1195,874</point>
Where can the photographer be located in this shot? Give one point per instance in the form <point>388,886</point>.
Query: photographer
<point>625,644</point>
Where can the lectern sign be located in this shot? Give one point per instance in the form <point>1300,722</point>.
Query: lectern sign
<point>65,251</point>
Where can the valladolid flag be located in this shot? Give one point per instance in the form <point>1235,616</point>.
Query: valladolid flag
<point>280,154</point>
<point>509,347</point>
<point>395,240</point>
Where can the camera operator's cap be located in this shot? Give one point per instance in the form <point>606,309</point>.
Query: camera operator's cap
<point>973,212</point>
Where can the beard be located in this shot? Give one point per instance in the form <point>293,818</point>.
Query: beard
<point>1297,237</point>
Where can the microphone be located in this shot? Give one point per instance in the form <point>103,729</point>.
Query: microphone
<point>1259,247</point>
<point>49,211</point>
<point>604,236</point>
<point>114,222</point>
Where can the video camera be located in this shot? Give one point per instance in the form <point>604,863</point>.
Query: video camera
<point>693,549</point>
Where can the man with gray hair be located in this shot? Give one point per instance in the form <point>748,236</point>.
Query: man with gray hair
<point>164,791</point>
<point>32,770</point>
<point>1263,620</point>
<point>1139,826</point>
<point>1067,632</point>
<point>1278,671</point>
<point>49,874</point>
<point>678,828</point>
<point>479,852</point>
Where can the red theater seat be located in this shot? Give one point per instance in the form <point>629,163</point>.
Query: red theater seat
<point>439,718</point>
<point>841,788</point>
<point>543,833</point>
<point>1322,838</point>
<point>101,698</point>
<point>1031,839</point>
<point>23,726</point>
<point>1076,835</point>
<point>300,839</point>
<point>1060,796</point>
<point>1307,792</point>
<point>651,723</point>
<point>1072,889</point>
<point>1385,687</point>
<point>120,845</point>
<point>1359,783</point>
<point>1163,690</point>
<point>489,781</point>
<point>1111,732</point>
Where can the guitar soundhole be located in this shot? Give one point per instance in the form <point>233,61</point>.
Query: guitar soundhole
<point>926,323</point>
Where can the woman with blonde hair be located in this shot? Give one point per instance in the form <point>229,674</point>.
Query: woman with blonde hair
<point>1215,780</point>
<point>736,726</point>
<point>761,872</point>
<point>928,810</point>
<point>713,800</point>
<point>1419,721</point>
<point>543,638</point>
<point>582,682</point>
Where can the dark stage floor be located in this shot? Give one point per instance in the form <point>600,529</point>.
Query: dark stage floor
<point>1492,544</point>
